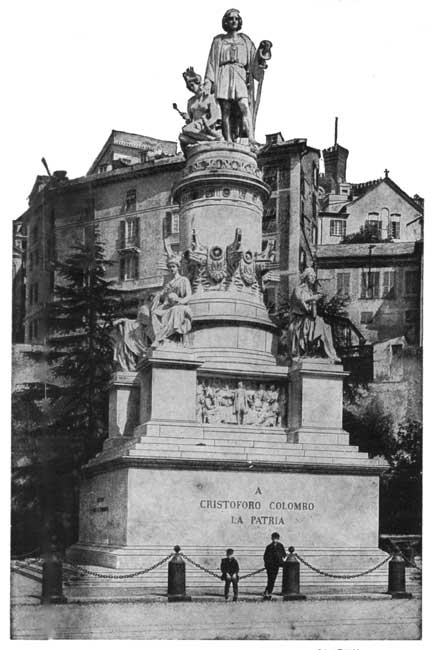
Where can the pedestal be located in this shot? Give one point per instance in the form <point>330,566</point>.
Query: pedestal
<point>196,473</point>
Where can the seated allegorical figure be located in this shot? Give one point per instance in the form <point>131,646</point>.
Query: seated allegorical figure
<point>308,334</point>
<point>171,316</point>
<point>203,113</point>
<point>131,339</point>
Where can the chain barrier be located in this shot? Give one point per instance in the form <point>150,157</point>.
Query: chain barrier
<point>342,576</point>
<point>199,566</point>
<point>253,573</point>
<point>217,575</point>
<point>117,576</point>
<point>25,555</point>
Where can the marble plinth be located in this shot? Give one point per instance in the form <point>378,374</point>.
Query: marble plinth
<point>132,516</point>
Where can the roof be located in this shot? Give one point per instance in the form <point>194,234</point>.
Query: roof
<point>363,250</point>
<point>134,141</point>
<point>361,189</point>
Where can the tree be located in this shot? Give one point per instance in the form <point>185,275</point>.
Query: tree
<point>365,235</point>
<point>80,349</point>
<point>373,431</point>
<point>57,427</point>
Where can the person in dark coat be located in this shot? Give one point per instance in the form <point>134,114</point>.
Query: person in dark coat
<point>230,573</point>
<point>273,558</point>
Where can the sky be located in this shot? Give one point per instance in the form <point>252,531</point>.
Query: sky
<point>76,70</point>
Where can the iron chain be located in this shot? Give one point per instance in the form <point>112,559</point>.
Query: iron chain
<point>199,566</point>
<point>216,575</point>
<point>343,576</point>
<point>118,576</point>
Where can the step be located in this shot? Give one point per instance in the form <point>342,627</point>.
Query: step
<point>281,436</point>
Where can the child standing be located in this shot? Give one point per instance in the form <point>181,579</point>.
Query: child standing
<point>230,573</point>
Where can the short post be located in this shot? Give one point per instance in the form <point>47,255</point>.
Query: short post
<point>176,578</point>
<point>397,577</point>
<point>52,580</point>
<point>291,578</point>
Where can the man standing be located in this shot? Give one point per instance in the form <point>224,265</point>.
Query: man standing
<point>273,557</point>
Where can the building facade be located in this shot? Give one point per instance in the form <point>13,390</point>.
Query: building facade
<point>128,192</point>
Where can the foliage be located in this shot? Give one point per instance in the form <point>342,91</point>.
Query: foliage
<point>374,432</point>
<point>365,235</point>
<point>58,427</point>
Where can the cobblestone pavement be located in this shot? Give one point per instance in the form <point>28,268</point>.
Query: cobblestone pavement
<point>316,618</point>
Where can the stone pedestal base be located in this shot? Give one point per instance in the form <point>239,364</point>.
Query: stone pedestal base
<point>329,517</point>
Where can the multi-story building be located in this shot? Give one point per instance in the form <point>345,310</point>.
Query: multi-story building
<point>128,193</point>
<point>290,219</point>
<point>379,206</point>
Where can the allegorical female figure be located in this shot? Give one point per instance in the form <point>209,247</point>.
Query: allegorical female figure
<point>202,114</point>
<point>132,339</point>
<point>171,316</point>
<point>233,66</point>
<point>308,334</point>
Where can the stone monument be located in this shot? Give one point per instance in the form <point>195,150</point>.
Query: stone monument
<point>213,444</point>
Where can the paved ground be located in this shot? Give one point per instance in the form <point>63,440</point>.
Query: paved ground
<point>317,618</point>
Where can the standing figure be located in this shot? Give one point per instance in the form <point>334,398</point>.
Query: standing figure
<point>171,316</point>
<point>273,558</point>
<point>240,404</point>
<point>131,339</point>
<point>203,113</point>
<point>233,66</point>
<point>308,334</point>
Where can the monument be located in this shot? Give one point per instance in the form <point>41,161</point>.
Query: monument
<point>212,443</point>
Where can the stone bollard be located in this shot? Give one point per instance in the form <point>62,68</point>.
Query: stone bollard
<point>397,577</point>
<point>176,578</point>
<point>291,578</point>
<point>52,581</point>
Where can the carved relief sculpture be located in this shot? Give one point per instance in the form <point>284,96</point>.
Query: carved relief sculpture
<point>171,316</point>
<point>308,333</point>
<point>245,403</point>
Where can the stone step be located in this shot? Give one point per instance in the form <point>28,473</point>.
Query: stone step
<point>281,436</point>
<point>225,449</point>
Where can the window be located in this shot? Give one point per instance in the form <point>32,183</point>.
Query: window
<point>315,176</point>
<point>34,294</point>
<point>34,329</point>
<point>337,228</point>
<point>102,169</point>
<point>130,233</point>
<point>343,284</point>
<point>313,206</point>
<point>388,290</point>
<point>131,201</point>
<point>302,182</point>
<point>411,282</point>
<point>172,221</point>
<point>129,267</point>
<point>314,234</point>
<point>394,226</point>
<point>373,226</point>
<point>270,176</point>
<point>370,285</point>
<point>366,317</point>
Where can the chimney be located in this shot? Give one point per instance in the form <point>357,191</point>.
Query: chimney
<point>335,159</point>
